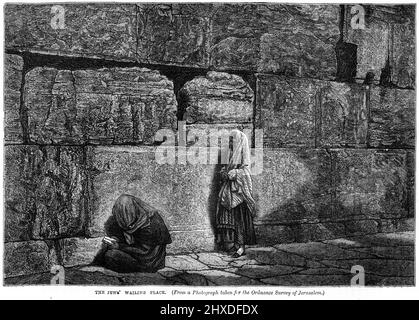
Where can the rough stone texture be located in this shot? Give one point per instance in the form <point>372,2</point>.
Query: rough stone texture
<point>315,195</point>
<point>392,118</point>
<point>185,263</point>
<point>174,34</point>
<point>270,233</point>
<point>386,42</point>
<point>28,257</point>
<point>184,194</point>
<point>217,98</point>
<point>294,187</point>
<point>13,66</point>
<point>308,113</point>
<point>106,106</point>
<point>80,251</point>
<point>411,169</point>
<point>343,118</point>
<point>90,30</point>
<point>45,192</point>
<point>285,110</point>
<point>369,184</point>
<point>296,40</point>
<point>361,227</point>
<point>318,231</point>
<point>403,54</point>
<point>186,241</point>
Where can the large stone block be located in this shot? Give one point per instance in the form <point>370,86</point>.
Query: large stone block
<point>106,106</point>
<point>285,110</point>
<point>369,184</point>
<point>88,30</point>
<point>392,118</point>
<point>80,251</point>
<point>309,113</point>
<point>342,118</point>
<point>45,192</point>
<point>296,40</point>
<point>174,33</point>
<point>28,257</point>
<point>294,187</point>
<point>13,66</point>
<point>217,98</point>
<point>185,194</point>
<point>404,53</point>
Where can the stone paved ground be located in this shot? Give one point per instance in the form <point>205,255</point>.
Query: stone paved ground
<point>388,260</point>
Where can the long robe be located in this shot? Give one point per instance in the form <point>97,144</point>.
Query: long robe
<point>236,206</point>
<point>141,234</point>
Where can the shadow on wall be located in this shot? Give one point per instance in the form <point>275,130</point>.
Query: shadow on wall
<point>346,193</point>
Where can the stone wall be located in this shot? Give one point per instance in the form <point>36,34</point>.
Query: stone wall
<point>83,105</point>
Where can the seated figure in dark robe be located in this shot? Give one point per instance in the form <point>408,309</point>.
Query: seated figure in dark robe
<point>139,238</point>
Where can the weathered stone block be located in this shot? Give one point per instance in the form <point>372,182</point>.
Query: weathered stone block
<point>88,30</point>
<point>185,194</point>
<point>361,227</point>
<point>403,54</point>
<point>45,192</point>
<point>369,184</point>
<point>80,251</point>
<point>397,225</point>
<point>28,257</point>
<point>392,118</point>
<point>174,33</point>
<point>271,234</point>
<point>13,66</point>
<point>217,98</point>
<point>107,106</point>
<point>294,187</point>
<point>286,111</point>
<point>308,113</point>
<point>307,232</point>
<point>296,40</point>
<point>342,115</point>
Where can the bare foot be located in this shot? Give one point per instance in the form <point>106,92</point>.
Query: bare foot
<point>240,252</point>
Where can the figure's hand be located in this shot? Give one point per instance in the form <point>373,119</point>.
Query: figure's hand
<point>232,174</point>
<point>110,243</point>
<point>114,245</point>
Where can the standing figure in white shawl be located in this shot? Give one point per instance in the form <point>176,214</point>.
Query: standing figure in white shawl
<point>236,206</point>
